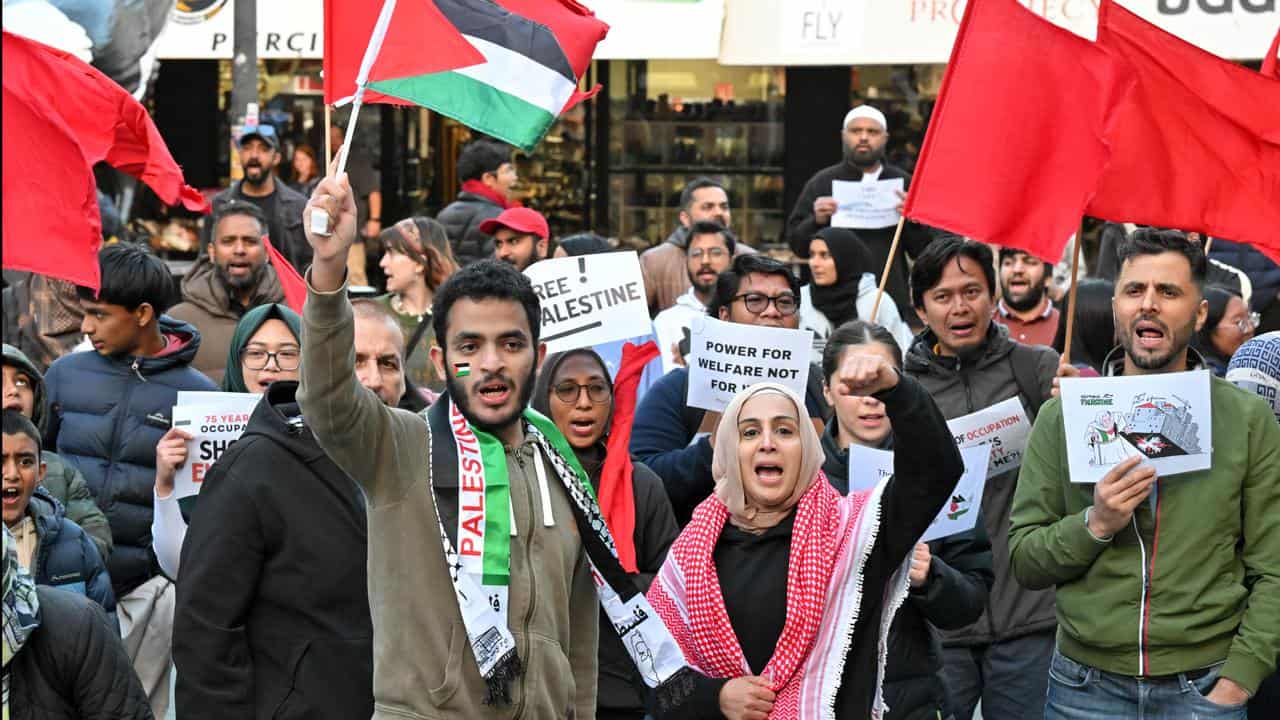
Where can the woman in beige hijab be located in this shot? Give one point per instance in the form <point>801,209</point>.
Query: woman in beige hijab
<point>780,591</point>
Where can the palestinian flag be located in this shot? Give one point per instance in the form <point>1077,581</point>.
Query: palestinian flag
<point>506,68</point>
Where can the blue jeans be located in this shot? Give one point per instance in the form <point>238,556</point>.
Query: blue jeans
<point>1080,692</point>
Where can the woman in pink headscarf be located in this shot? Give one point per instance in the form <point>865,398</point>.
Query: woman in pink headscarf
<point>780,591</point>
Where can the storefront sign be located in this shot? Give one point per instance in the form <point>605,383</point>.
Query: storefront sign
<point>922,31</point>
<point>659,29</point>
<point>205,30</point>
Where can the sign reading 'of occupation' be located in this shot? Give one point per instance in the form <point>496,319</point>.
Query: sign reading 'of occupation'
<point>590,299</point>
<point>725,358</point>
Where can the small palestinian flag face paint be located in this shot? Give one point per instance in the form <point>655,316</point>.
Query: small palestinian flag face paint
<point>461,370</point>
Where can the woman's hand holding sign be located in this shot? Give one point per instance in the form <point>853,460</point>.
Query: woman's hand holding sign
<point>863,374</point>
<point>171,454</point>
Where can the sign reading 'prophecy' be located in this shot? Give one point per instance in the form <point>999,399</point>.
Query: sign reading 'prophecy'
<point>725,358</point>
<point>590,299</point>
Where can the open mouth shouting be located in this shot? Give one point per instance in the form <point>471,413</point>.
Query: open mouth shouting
<point>12,495</point>
<point>769,473</point>
<point>963,329</point>
<point>494,393</point>
<point>582,427</point>
<point>1149,334</point>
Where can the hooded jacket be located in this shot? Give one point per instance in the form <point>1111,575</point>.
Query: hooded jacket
<point>63,481</point>
<point>461,220</point>
<point>423,662</point>
<point>954,595</point>
<point>106,416</point>
<point>666,270</point>
<point>65,557</point>
<point>272,616</point>
<point>654,532</point>
<point>999,370</point>
<point>207,303</point>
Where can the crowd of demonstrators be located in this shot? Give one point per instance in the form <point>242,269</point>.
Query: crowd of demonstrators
<point>52,549</point>
<point>665,266</point>
<point>575,390</point>
<point>843,288</point>
<point>967,362</point>
<point>1025,307</point>
<point>1227,325</point>
<point>416,259</point>
<point>62,656</point>
<point>24,392</point>
<point>1094,332</point>
<point>520,237</point>
<point>674,438</point>
<point>1168,590</point>
<point>708,252</point>
<point>949,578</point>
<point>488,179</point>
<point>230,277</point>
<point>864,134</point>
<point>258,147</point>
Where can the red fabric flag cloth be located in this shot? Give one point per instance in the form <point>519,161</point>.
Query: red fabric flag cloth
<point>1269,67</point>
<point>1016,141</point>
<point>53,226</point>
<point>295,288</point>
<point>419,41</point>
<point>616,493</point>
<point>1185,155</point>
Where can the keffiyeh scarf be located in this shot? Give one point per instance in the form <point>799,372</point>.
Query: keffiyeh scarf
<point>21,609</point>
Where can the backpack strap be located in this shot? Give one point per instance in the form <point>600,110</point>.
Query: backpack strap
<point>1023,362</point>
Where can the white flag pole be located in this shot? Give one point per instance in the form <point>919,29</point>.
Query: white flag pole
<point>370,55</point>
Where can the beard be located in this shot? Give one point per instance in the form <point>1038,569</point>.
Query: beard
<point>237,284</point>
<point>458,393</point>
<point>1180,340</point>
<point>863,158</point>
<point>1033,297</point>
<point>256,174</point>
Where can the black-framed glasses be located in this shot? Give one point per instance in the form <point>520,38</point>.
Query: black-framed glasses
<point>597,392</point>
<point>786,303</point>
<point>257,359</point>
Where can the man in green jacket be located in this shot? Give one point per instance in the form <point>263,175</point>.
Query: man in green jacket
<point>519,639</point>
<point>1168,588</point>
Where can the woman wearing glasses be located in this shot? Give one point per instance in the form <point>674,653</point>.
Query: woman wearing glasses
<point>265,347</point>
<point>1227,326</point>
<point>575,391</point>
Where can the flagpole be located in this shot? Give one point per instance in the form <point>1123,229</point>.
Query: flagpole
<point>888,265</point>
<point>1071,295</point>
<point>1208,243</point>
<point>362,79</point>
<point>328,142</point>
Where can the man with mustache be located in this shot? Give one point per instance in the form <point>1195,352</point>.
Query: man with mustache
<point>1024,306</point>
<point>258,149</point>
<point>968,363</point>
<point>1168,588</point>
<point>230,278</point>
<point>864,134</point>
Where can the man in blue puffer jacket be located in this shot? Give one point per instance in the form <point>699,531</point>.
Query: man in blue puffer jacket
<point>109,407</point>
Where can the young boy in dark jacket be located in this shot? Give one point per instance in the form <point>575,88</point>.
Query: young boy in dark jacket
<point>53,549</point>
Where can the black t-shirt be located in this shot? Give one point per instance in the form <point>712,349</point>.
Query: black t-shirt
<point>267,204</point>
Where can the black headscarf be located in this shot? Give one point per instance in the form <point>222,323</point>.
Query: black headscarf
<point>593,459</point>
<point>838,301</point>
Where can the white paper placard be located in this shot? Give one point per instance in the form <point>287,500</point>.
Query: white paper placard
<point>866,204</point>
<point>725,358</point>
<point>590,299</point>
<point>214,423</point>
<point>868,466</point>
<point>1004,427</point>
<point>1166,419</point>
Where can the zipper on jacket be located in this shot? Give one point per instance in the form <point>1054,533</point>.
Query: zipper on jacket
<point>1148,572</point>
<point>1142,600</point>
<point>107,479</point>
<point>518,708</point>
<point>136,363</point>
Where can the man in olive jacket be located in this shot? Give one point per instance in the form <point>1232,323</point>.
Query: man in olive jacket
<point>1168,587</point>
<point>487,322</point>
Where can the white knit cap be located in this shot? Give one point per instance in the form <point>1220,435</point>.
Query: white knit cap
<point>865,111</point>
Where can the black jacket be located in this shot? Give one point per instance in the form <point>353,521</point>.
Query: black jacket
<point>461,220</point>
<point>954,595</point>
<point>284,227</point>
<point>272,617</point>
<point>802,227</point>
<point>74,666</point>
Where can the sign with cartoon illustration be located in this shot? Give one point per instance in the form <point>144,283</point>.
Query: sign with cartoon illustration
<point>868,466</point>
<point>1166,419</point>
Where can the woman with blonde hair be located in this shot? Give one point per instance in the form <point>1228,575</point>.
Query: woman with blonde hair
<point>417,258</point>
<point>780,591</point>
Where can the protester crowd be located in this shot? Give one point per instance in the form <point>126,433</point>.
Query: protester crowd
<point>325,569</point>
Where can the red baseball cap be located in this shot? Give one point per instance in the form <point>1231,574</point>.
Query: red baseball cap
<point>520,219</point>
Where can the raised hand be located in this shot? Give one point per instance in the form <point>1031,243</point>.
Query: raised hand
<point>863,374</point>
<point>333,195</point>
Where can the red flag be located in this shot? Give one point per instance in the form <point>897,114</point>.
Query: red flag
<point>1185,155</point>
<point>1269,62</point>
<point>420,40</point>
<point>1016,141</point>
<point>617,493</point>
<point>295,288</point>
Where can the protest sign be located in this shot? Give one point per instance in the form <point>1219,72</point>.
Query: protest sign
<point>214,421</point>
<point>725,358</point>
<point>868,466</point>
<point>866,204</point>
<point>1003,426</point>
<point>1166,419</point>
<point>590,299</point>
